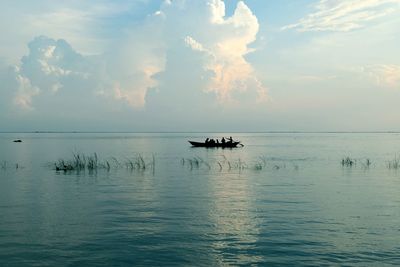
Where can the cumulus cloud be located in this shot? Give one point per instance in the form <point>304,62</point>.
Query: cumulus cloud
<point>52,65</point>
<point>223,42</point>
<point>134,61</point>
<point>225,46</point>
<point>48,67</point>
<point>25,92</point>
<point>9,87</point>
<point>344,15</point>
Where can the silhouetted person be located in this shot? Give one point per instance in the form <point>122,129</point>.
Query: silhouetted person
<point>230,140</point>
<point>207,140</point>
<point>223,140</point>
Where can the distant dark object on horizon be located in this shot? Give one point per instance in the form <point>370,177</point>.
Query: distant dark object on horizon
<point>222,145</point>
<point>17,141</point>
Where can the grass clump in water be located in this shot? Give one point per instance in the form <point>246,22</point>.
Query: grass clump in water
<point>3,165</point>
<point>81,162</point>
<point>224,164</point>
<point>366,164</point>
<point>348,162</point>
<point>394,164</point>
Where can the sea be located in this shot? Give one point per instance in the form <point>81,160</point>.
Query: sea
<point>150,199</point>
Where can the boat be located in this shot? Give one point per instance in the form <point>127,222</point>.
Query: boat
<point>222,145</point>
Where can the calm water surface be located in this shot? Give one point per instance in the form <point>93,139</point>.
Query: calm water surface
<point>283,199</point>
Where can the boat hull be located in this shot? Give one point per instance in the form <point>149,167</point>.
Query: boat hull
<point>226,145</point>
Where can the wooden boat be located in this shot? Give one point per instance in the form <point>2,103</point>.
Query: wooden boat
<point>222,145</point>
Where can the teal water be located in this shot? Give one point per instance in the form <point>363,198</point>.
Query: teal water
<point>301,207</point>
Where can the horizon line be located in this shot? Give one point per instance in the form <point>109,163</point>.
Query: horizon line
<point>151,132</point>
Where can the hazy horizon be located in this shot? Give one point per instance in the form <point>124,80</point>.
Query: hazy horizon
<point>199,132</point>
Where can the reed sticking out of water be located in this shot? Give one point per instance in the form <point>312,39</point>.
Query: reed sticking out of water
<point>348,162</point>
<point>394,164</point>
<point>228,165</point>
<point>366,164</point>
<point>263,161</point>
<point>4,165</point>
<point>81,162</point>
<point>220,165</point>
<point>258,166</point>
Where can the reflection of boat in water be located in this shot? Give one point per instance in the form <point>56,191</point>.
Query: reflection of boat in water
<point>222,145</point>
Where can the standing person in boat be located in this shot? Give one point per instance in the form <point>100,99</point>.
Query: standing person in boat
<point>207,140</point>
<point>223,140</point>
<point>230,140</point>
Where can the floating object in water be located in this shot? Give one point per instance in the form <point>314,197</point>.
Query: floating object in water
<point>222,145</point>
<point>17,141</point>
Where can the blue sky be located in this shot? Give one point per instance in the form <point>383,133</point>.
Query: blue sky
<point>212,65</point>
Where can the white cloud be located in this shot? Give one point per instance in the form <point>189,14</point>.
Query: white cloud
<point>192,43</point>
<point>344,15</point>
<point>129,66</point>
<point>386,75</point>
<point>25,93</point>
<point>88,26</point>
<point>49,65</point>
<point>134,60</point>
<point>225,46</point>
<point>52,66</point>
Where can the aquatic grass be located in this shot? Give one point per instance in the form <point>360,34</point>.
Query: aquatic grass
<point>116,162</point>
<point>224,164</point>
<point>394,164</point>
<point>240,165</point>
<point>366,164</point>
<point>348,162</point>
<point>263,161</point>
<point>82,162</point>
<point>138,163</point>
<point>200,160</point>
<point>276,167</point>
<point>258,166</point>
<point>220,165</point>
<point>92,162</point>
<point>193,162</point>
<point>3,165</point>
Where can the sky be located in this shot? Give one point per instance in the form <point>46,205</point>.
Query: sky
<point>191,65</point>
